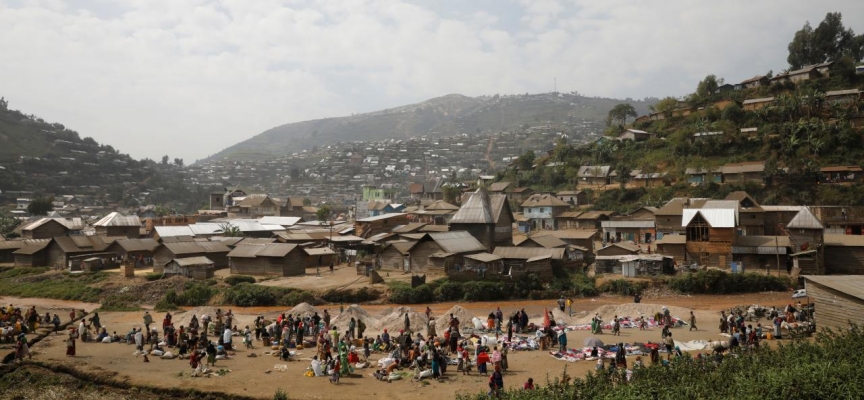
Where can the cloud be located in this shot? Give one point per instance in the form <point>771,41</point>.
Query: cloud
<point>188,78</point>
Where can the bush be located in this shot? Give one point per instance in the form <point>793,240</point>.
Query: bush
<point>153,276</point>
<point>280,395</point>
<point>448,291</point>
<point>120,302</point>
<point>484,291</point>
<point>235,279</point>
<point>361,295</point>
<point>13,272</point>
<point>720,282</point>
<point>249,295</point>
<point>297,297</point>
<point>195,294</point>
<point>407,295</point>
<point>53,286</point>
<point>623,287</point>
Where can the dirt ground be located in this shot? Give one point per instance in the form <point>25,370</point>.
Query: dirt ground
<point>255,376</point>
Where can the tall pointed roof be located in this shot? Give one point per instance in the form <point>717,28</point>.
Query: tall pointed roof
<point>805,220</point>
<point>477,210</point>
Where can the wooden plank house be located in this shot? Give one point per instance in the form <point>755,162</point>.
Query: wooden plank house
<point>273,259</point>
<point>198,268</point>
<point>486,217</point>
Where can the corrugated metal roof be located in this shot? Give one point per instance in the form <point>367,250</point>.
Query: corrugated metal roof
<point>844,240</point>
<point>167,231</point>
<point>276,249</point>
<point>483,257</point>
<point>33,246</point>
<point>255,241</point>
<point>524,253</point>
<point>228,241</point>
<point>408,228</point>
<point>832,93</point>
<point>548,241</point>
<point>294,236</point>
<point>539,258</point>
<point>744,167</point>
<point>177,239</point>
<point>627,224</point>
<point>435,228</point>
<point>441,205</point>
<point>805,220</point>
<point>760,100</point>
<point>588,171</point>
<point>73,224</point>
<point>440,254</point>
<point>184,248</point>
<point>138,244</point>
<point>569,214</point>
<point>214,247</point>
<point>590,215</point>
<point>782,208</point>
<point>673,207</point>
<point>249,251</point>
<point>346,238</point>
<point>318,251</point>
<point>193,261</point>
<point>624,245</point>
<point>853,285</point>
<point>544,200</point>
<point>457,242</point>
<point>205,228</point>
<point>570,233</point>
<point>283,221</point>
<point>717,218</point>
<point>403,247</point>
<point>380,217</point>
<point>414,236</point>
<point>477,210</point>
<point>498,186</point>
<point>117,219</point>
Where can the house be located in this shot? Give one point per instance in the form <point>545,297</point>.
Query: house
<point>486,217</point>
<point>841,174</point>
<point>650,179</point>
<point>541,210</point>
<point>674,246</point>
<point>594,175</point>
<point>275,259</point>
<point>197,268</point>
<point>377,208</point>
<point>545,241</point>
<point>520,261</point>
<point>137,251</point>
<point>667,219</point>
<point>726,87</point>
<point>383,193</point>
<point>698,176</point>
<point>848,97</point>
<point>480,266</point>
<point>776,217</point>
<point>233,196</point>
<point>806,234</point>
<point>755,104</point>
<point>761,252</point>
<point>320,256</point>
<point>47,228</point>
<point>501,188</point>
<point>573,197</point>
<point>439,212</point>
<point>371,226</point>
<point>257,205</point>
<point>215,251</point>
<point>579,238</point>
<point>635,135</point>
<point>395,255</point>
<point>520,194</point>
<point>701,136</point>
<point>750,133</point>
<point>565,220</point>
<point>839,300</point>
<point>116,224</point>
<point>592,219</point>
<point>751,216</point>
<point>750,171</point>
<point>710,233</point>
<point>34,253</point>
<point>438,250</point>
<point>626,229</point>
<point>754,82</point>
<point>619,249</point>
<point>429,190</point>
<point>844,254</point>
<point>633,265</point>
<point>65,250</point>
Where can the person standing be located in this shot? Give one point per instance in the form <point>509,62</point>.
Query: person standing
<point>326,320</point>
<point>70,343</point>
<point>561,303</point>
<point>496,382</point>
<point>407,324</point>
<point>148,319</point>
<point>693,321</point>
<point>570,306</point>
<point>352,324</point>
<point>331,267</point>
<point>562,341</point>
<point>669,345</point>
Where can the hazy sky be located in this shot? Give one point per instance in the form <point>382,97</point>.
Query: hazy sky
<point>189,78</point>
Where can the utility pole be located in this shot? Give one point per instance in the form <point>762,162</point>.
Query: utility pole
<point>777,253</point>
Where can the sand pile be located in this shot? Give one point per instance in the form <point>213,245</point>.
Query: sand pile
<point>302,309</point>
<point>356,312</point>
<point>443,322</point>
<point>632,310</point>
<point>395,320</point>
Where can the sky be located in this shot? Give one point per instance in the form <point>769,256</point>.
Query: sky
<point>187,78</point>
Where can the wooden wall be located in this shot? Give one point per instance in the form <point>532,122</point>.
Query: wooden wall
<point>420,254</point>
<point>132,232</point>
<point>844,260</point>
<point>48,230</point>
<point>391,259</point>
<point>678,252</point>
<point>249,266</point>
<point>834,309</point>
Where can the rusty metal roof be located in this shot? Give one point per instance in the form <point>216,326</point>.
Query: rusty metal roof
<point>544,200</point>
<point>403,247</point>
<point>248,251</point>
<point>408,228</point>
<point>276,249</point>
<point>548,241</point>
<point>570,233</point>
<point>193,261</point>
<point>484,257</point>
<point>254,241</point>
<point>145,244</point>
<point>33,246</point>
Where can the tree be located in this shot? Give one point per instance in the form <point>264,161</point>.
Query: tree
<point>708,86</point>
<point>665,106</point>
<point>4,104</point>
<point>165,160</point>
<point>323,213</point>
<point>40,206</point>
<point>307,202</point>
<point>526,160</point>
<point>295,173</point>
<point>8,225</point>
<point>178,162</point>
<point>830,41</point>
<point>231,230</point>
<point>620,113</point>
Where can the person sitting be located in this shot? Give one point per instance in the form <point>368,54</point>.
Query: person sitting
<point>528,385</point>
<point>102,335</point>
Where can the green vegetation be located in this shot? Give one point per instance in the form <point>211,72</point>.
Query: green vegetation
<point>235,279</point>
<point>280,395</point>
<point>153,276</point>
<point>361,295</point>
<point>23,282</point>
<point>40,206</point>
<point>720,282</point>
<point>119,302</point>
<point>827,368</point>
<point>830,41</point>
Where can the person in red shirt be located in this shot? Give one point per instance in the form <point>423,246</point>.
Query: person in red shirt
<point>482,360</point>
<point>529,385</point>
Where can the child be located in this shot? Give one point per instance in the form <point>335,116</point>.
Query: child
<point>366,351</point>
<point>482,359</point>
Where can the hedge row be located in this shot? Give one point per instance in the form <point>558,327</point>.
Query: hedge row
<point>720,282</point>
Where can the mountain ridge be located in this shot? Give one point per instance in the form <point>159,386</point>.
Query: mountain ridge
<point>444,115</point>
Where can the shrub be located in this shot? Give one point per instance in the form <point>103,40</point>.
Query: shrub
<point>120,302</point>
<point>296,297</point>
<point>249,295</point>
<point>484,291</point>
<point>195,294</point>
<point>720,282</point>
<point>153,276</point>
<point>235,279</point>
<point>280,395</point>
<point>448,291</point>
<point>623,287</point>
<point>351,296</point>
<point>13,272</point>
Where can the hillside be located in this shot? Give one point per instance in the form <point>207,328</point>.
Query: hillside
<point>793,131</point>
<point>446,115</point>
<point>38,158</point>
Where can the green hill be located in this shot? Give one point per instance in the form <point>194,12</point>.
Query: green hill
<point>45,158</point>
<point>446,115</point>
<point>800,131</point>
